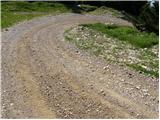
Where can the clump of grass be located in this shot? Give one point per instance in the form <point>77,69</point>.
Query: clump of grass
<point>126,33</point>
<point>145,71</point>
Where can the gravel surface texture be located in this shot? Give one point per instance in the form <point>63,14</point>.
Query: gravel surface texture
<point>43,76</point>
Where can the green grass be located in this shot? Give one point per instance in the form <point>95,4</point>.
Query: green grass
<point>9,18</point>
<point>145,71</point>
<point>33,6</point>
<point>14,12</point>
<point>115,51</point>
<point>126,33</point>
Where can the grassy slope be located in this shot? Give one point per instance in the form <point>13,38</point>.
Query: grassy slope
<point>106,10</point>
<point>13,12</point>
<point>90,37</point>
<point>126,33</point>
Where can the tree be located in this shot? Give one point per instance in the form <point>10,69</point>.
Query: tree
<point>149,16</point>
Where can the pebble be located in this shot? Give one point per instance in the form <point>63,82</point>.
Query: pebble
<point>57,105</point>
<point>145,90</point>
<point>154,98</point>
<point>146,103</point>
<point>60,83</point>
<point>130,75</point>
<point>11,104</point>
<point>105,67</point>
<point>77,51</point>
<point>3,106</point>
<point>6,29</point>
<point>122,80</point>
<point>146,94</point>
<point>138,115</point>
<point>138,87</point>
<point>88,110</point>
<point>66,116</point>
<point>91,86</point>
<point>70,113</point>
<point>131,88</point>
<point>104,94</point>
<point>102,91</point>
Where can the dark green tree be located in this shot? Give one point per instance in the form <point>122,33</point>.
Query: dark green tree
<point>149,17</point>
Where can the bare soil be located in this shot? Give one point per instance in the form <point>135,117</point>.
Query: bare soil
<point>43,76</point>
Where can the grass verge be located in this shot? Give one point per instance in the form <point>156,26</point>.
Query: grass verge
<point>144,60</point>
<point>9,19</point>
<point>145,71</point>
<point>126,33</point>
<point>14,12</point>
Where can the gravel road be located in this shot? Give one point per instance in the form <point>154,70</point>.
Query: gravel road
<point>44,76</point>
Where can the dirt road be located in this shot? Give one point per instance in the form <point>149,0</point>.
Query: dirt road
<point>43,76</point>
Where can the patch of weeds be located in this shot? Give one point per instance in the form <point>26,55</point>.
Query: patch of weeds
<point>97,50</point>
<point>114,50</point>
<point>145,71</point>
<point>126,33</point>
<point>84,44</point>
<point>147,55</point>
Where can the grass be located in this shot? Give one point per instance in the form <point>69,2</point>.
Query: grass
<point>105,10</point>
<point>145,71</point>
<point>9,19</point>
<point>33,6</point>
<point>116,51</point>
<point>14,12</point>
<point>126,33</point>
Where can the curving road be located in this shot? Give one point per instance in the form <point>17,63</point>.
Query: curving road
<point>44,76</point>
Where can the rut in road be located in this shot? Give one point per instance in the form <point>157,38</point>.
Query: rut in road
<point>43,76</point>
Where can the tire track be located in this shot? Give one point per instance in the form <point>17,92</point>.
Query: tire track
<point>44,77</point>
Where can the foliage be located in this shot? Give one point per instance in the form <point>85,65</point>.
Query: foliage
<point>33,6</point>
<point>149,17</point>
<point>9,18</point>
<point>141,69</point>
<point>144,60</point>
<point>126,33</point>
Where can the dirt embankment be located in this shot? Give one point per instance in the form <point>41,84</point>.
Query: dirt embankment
<point>45,77</point>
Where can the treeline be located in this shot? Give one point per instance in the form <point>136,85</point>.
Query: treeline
<point>143,14</point>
